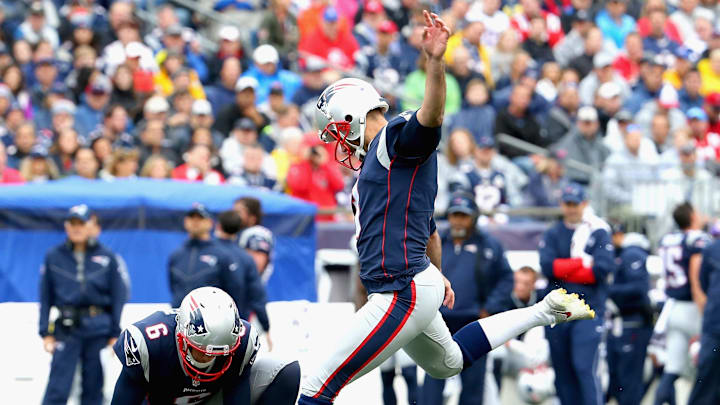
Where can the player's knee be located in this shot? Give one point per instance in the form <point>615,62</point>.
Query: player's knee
<point>442,372</point>
<point>289,377</point>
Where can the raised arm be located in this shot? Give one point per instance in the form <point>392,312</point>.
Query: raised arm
<point>434,44</point>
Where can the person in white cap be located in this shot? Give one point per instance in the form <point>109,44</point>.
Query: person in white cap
<point>267,71</point>
<point>603,72</point>
<point>201,117</point>
<point>584,144</point>
<point>666,102</point>
<point>625,169</point>
<point>243,107</point>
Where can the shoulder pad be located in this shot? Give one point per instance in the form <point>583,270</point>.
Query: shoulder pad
<point>252,348</point>
<point>697,239</point>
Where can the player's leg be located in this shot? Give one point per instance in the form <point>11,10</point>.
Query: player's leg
<point>92,372</point>
<point>706,389</point>
<point>566,383</point>
<point>614,360</point>
<point>386,323</point>
<point>633,369</point>
<point>473,382</point>
<point>278,387</point>
<point>676,344</point>
<point>585,354</point>
<point>62,370</point>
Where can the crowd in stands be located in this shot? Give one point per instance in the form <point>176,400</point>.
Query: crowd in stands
<point>113,90</point>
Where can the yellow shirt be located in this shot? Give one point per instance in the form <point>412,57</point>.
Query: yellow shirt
<point>710,79</point>
<point>456,41</point>
<point>671,76</point>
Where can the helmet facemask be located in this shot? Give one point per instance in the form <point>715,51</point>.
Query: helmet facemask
<point>218,353</point>
<point>347,153</point>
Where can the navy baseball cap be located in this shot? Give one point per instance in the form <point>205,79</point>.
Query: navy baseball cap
<point>573,193</point>
<point>486,141</point>
<point>81,212</point>
<point>198,209</point>
<point>462,203</point>
<point>257,239</point>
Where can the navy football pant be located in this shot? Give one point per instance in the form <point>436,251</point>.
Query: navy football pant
<point>574,354</point>
<point>626,362</point>
<point>706,390</point>
<point>473,384</point>
<point>71,351</point>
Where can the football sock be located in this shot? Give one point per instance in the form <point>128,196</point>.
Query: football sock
<point>410,375</point>
<point>388,377</point>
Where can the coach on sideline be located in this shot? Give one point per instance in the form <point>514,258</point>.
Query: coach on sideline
<point>475,263</point>
<point>82,279</point>
<point>707,385</point>
<point>577,254</point>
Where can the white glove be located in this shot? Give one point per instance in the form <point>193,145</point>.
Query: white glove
<point>587,260</point>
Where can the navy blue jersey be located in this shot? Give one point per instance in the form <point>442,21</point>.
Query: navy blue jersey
<point>675,251</point>
<point>393,201</point>
<point>151,362</point>
<point>487,185</point>
<point>710,284</point>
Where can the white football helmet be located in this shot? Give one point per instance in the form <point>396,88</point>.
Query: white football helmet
<point>208,321</point>
<point>340,116</point>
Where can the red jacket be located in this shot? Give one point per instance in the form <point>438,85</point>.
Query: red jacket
<point>185,172</point>
<point>627,68</point>
<point>338,52</point>
<point>521,23</point>
<point>317,185</point>
<point>11,176</point>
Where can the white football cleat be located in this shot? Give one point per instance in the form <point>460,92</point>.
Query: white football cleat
<point>567,307</point>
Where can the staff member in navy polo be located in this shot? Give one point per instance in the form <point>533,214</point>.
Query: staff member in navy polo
<point>577,254</point>
<point>201,261</point>
<point>633,321</point>
<point>475,263</point>
<point>244,278</point>
<point>80,277</point>
<point>706,390</point>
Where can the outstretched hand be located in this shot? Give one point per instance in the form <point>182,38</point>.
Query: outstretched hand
<point>435,35</point>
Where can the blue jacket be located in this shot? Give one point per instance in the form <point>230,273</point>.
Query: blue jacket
<point>219,97</point>
<point>710,284</point>
<point>290,82</point>
<point>480,276</point>
<point>629,291</point>
<point>96,281</point>
<point>555,244</point>
<point>200,263</point>
<point>640,95</point>
<point>687,102</point>
<point>480,120</point>
<point>245,280</point>
<point>87,120</point>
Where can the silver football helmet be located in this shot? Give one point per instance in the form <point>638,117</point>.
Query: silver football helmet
<point>208,321</point>
<point>340,116</point>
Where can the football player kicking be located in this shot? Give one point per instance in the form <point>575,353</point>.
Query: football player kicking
<point>398,245</point>
<point>200,353</point>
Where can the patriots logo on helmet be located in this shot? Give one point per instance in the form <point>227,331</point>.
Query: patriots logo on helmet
<point>329,93</point>
<point>239,328</point>
<point>196,323</point>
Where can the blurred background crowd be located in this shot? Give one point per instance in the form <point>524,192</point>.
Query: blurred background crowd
<point>620,95</point>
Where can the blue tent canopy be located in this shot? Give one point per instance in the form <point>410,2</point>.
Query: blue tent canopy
<point>142,221</point>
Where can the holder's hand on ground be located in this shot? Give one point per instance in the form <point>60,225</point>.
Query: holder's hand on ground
<point>435,35</point>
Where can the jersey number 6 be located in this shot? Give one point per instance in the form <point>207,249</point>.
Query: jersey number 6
<point>155,331</point>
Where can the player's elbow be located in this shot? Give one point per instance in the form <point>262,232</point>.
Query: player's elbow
<point>430,118</point>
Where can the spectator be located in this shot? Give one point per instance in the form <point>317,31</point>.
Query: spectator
<point>561,118</point>
<point>114,127</point>
<point>546,183</point>
<point>614,23</point>
<point>415,88</point>
<point>462,68</point>
<point>603,73</point>
<point>232,150</point>
<point>536,44</point>
<point>627,63</point>
<point>63,151</point>
<point>649,85</point>
<point>709,69</point>
<point>682,18</point>
<point>660,133</point>
<point>584,144</point>
<point>521,22</point>
<point>38,167</point>
<point>386,55</point>
<point>200,116</point>
<point>252,173</point>
<point>123,92</point>
<point>122,165</point>
<point>504,55</point>
<point>681,67</point>
<point>90,114</point>
<point>313,83</point>
<point>454,16</point>
<point>86,164</point>
<point>470,38</point>
<point>230,47</point>
<point>707,143</point>
<point>315,178</point>
<point>516,121</point>
<point>243,107</point>
<point>608,101</point>
<point>330,42</point>
<point>22,145</point>
<point>8,175</point>
<point>45,75</point>
<point>222,92</point>
<point>689,95</point>
<point>657,39</point>
<point>712,109</point>
<point>128,48</point>
<point>279,28</point>
<point>667,103</point>
<point>687,181</point>
<point>624,170</point>
<point>496,22</point>
<point>153,141</point>
<point>174,42</point>
<point>13,77</point>
<point>197,167</point>
<point>267,71</point>
<point>156,167</point>
<point>103,148</point>
<point>182,102</point>
<point>593,44</point>
<point>35,27</point>
<point>63,117</point>
<point>476,115</point>
<point>574,44</point>
<point>172,65</point>
<point>365,31</point>
<point>288,152</point>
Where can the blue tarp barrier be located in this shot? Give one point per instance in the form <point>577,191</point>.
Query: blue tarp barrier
<point>142,220</point>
